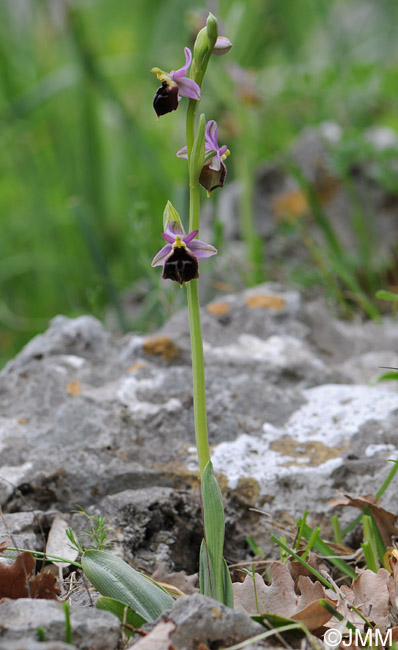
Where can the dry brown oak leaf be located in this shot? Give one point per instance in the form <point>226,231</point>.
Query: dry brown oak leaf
<point>369,593</point>
<point>16,580</point>
<point>386,521</point>
<point>281,598</point>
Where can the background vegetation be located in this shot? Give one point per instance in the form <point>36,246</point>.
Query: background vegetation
<point>85,169</point>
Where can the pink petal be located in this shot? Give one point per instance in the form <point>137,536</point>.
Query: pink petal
<point>223,149</point>
<point>173,228</point>
<point>182,153</point>
<point>188,57</point>
<point>215,163</point>
<point>190,236</point>
<point>211,134</point>
<point>160,257</point>
<point>200,249</point>
<point>182,72</point>
<point>168,237</point>
<point>188,88</point>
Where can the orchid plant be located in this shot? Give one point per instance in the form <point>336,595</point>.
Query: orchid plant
<point>179,259</point>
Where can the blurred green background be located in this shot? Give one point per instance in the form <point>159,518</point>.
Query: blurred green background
<point>85,168</point>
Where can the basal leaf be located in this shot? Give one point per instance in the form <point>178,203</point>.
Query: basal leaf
<point>122,611</point>
<point>116,579</point>
<point>213,511</point>
<point>228,590</point>
<point>206,574</point>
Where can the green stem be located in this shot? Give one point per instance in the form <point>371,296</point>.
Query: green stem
<point>46,556</point>
<point>198,369</point>
<point>198,373</point>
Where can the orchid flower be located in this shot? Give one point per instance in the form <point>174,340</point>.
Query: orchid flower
<point>179,257</point>
<point>175,84</point>
<point>213,171</point>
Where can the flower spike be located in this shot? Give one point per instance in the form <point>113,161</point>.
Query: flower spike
<point>175,84</point>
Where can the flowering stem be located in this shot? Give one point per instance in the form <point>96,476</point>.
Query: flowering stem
<point>198,372</point>
<point>198,369</point>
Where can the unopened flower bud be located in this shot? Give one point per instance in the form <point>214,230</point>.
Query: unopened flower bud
<point>212,29</point>
<point>222,46</point>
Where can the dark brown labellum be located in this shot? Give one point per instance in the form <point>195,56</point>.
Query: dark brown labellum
<point>180,266</point>
<point>166,99</point>
<point>210,179</point>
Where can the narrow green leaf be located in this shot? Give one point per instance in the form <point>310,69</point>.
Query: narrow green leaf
<point>213,513</point>
<point>300,530</point>
<point>370,559</point>
<point>266,619</point>
<point>116,579</point>
<point>332,610</point>
<point>197,157</point>
<point>68,627</point>
<point>299,559</point>
<point>257,550</point>
<point>124,613</point>
<point>312,540</point>
<point>376,540</point>
<point>370,538</point>
<point>388,480</point>
<point>326,551</point>
<point>388,376</point>
<point>227,584</point>
<point>386,295</point>
<point>206,573</point>
<point>338,538</point>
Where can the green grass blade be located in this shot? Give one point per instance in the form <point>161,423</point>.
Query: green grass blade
<point>374,537</point>
<point>299,559</point>
<point>370,531</point>
<point>326,551</point>
<point>68,627</point>
<point>388,376</point>
<point>338,538</point>
<point>116,579</point>
<point>332,610</point>
<point>300,530</point>
<point>312,540</point>
<point>388,480</point>
<point>386,295</point>
<point>370,559</point>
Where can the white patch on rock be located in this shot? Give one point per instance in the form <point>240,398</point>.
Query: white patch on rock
<point>280,351</point>
<point>128,394</point>
<point>72,360</point>
<point>371,450</point>
<point>332,415</point>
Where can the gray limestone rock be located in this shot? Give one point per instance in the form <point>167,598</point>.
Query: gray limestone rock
<point>30,644</point>
<point>202,620</point>
<point>106,422</point>
<point>92,629</point>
